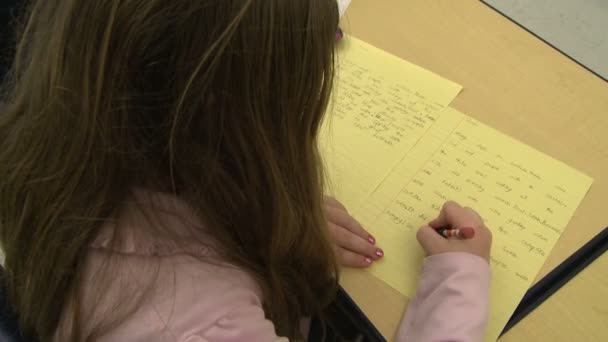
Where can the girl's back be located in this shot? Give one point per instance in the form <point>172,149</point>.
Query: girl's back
<point>216,103</point>
<point>179,296</point>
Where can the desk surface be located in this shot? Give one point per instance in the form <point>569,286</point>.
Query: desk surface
<point>519,85</point>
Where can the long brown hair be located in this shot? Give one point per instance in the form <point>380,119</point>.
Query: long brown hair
<point>216,101</point>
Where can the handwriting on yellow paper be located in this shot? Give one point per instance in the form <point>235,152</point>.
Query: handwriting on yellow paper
<point>525,197</point>
<point>395,152</point>
<point>386,113</point>
<point>380,110</point>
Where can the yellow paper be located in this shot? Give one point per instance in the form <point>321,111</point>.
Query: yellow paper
<point>525,197</point>
<point>395,153</point>
<point>381,106</point>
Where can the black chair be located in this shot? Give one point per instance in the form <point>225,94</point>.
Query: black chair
<point>343,321</point>
<point>8,322</point>
<point>8,10</point>
<point>9,331</point>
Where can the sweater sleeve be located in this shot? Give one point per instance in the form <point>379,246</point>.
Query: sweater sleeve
<point>452,300</point>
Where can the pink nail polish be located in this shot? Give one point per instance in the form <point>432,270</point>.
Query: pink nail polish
<point>371,239</point>
<point>379,253</point>
<point>339,34</point>
<point>368,260</point>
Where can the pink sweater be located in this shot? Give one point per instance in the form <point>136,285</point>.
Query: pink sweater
<point>195,301</point>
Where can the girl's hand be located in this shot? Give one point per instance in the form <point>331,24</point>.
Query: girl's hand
<point>353,245</point>
<point>454,216</point>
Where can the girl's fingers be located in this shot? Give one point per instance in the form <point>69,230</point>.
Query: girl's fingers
<point>334,203</point>
<point>430,241</point>
<point>473,213</point>
<point>446,215</point>
<point>354,245</point>
<point>347,240</point>
<point>350,259</point>
<point>344,220</point>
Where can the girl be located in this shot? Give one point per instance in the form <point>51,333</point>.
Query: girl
<point>160,178</point>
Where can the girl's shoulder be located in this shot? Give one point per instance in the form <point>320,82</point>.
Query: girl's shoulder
<point>155,224</point>
<point>179,287</point>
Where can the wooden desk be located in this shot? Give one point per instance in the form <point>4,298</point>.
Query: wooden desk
<point>523,87</point>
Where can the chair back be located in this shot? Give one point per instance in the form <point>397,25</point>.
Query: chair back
<point>9,330</point>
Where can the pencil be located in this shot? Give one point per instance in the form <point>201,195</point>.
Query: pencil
<point>458,233</point>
